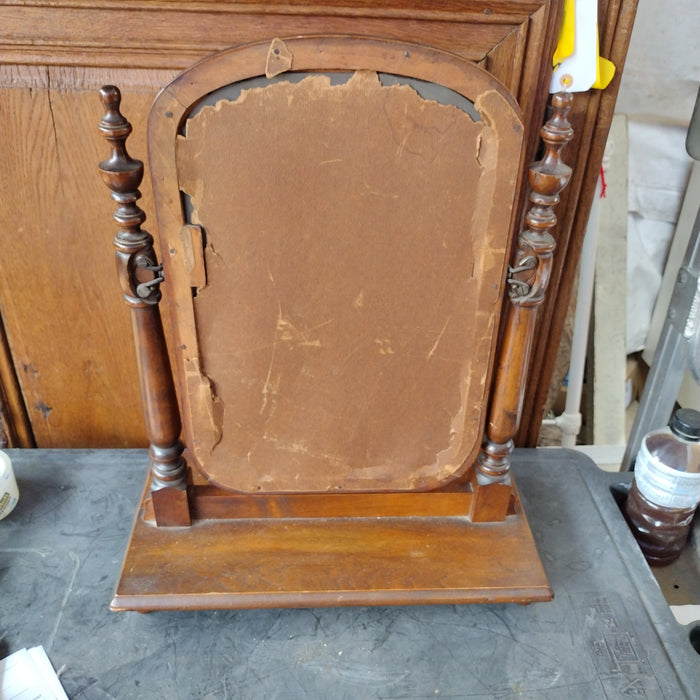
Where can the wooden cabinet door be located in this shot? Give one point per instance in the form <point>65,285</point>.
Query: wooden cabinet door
<point>70,343</point>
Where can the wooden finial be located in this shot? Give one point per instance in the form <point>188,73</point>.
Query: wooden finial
<point>121,173</point>
<point>529,276</point>
<point>139,273</point>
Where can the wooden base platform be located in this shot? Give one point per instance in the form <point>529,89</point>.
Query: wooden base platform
<point>330,561</point>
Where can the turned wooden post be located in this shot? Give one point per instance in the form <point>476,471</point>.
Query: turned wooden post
<point>140,278</point>
<point>527,279</point>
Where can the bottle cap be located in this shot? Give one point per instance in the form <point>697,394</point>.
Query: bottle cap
<point>686,423</point>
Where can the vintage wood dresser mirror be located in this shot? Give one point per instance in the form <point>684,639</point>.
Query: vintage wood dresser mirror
<point>349,340</point>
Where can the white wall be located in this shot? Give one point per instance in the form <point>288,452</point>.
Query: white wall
<point>660,80</point>
<point>657,93</point>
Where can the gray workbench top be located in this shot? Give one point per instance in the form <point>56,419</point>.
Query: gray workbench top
<point>608,633</point>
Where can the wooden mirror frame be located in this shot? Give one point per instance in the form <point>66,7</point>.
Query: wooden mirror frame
<point>176,497</point>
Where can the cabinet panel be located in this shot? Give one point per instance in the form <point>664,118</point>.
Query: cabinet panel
<point>69,336</point>
<point>171,37</point>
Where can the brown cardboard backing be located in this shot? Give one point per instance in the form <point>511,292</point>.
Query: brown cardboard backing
<point>354,256</point>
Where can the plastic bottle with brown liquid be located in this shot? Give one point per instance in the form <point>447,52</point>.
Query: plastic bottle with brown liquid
<point>666,488</point>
